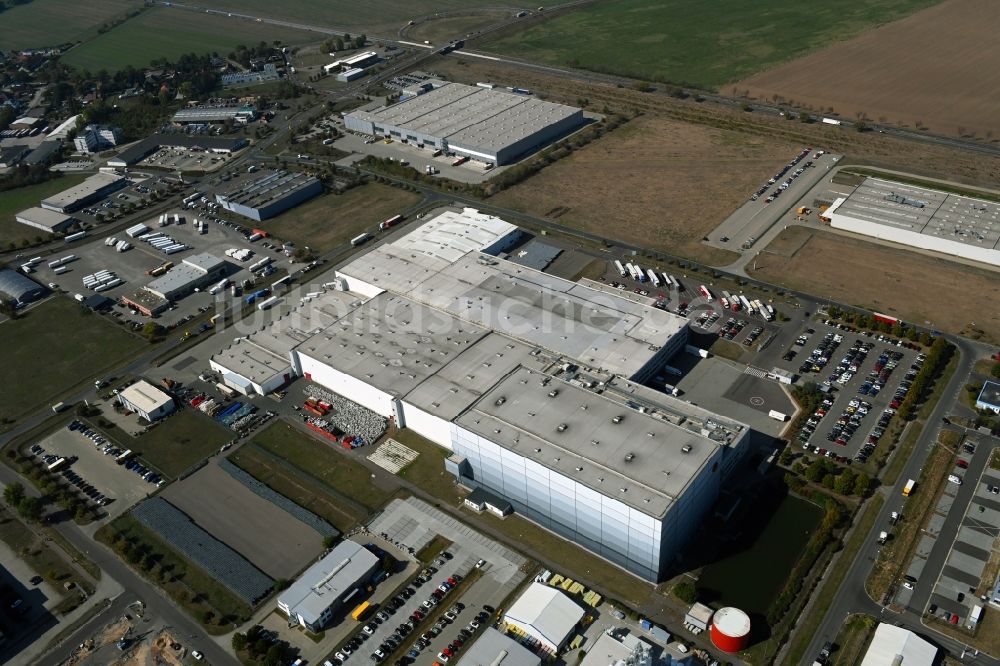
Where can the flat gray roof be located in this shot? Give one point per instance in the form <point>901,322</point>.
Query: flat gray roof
<point>326,581</point>
<point>496,649</point>
<point>268,188</point>
<point>85,189</point>
<point>974,222</point>
<point>190,270</point>
<point>392,343</point>
<point>471,116</point>
<point>43,216</point>
<point>640,460</point>
<point>600,329</point>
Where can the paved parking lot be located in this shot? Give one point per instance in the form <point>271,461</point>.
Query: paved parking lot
<point>747,224</point>
<point>131,266</point>
<point>859,413</point>
<point>413,524</point>
<point>954,592</point>
<point>101,471</point>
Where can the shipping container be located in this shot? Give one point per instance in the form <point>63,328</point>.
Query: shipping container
<point>361,239</point>
<point>75,237</point>
<point>61,269</point>
<point>619,268</point>
<point>778,416</point>
<point>653,277</point>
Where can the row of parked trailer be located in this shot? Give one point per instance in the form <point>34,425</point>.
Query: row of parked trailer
<point>162,242</point>
<point>119,245</point>
<point>30,264</point>
<point>636,272</point>
<point>167,218</point>
<point>239,254</point>
<point>101,280</point>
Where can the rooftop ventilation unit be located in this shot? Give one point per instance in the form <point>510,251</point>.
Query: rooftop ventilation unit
<point>686,448</point>
<point>629,457</point>
<point>616,419</point>
<point>561,427</point>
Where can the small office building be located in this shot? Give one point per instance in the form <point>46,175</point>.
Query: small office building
<point>328,586</point>
<point>146,400</point>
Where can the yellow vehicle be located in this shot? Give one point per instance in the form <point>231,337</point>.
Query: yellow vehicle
<point>387,141</point>
<point>908,488</point>
<point>360,611</point>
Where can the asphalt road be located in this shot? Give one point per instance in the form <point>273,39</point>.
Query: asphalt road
<point>852,597</point>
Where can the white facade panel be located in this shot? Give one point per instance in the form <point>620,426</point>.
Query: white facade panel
<point>985,255</point>
<point>359,286</point>
<point>338,382</point>
<point>428,425</point>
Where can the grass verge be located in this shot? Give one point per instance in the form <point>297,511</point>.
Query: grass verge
<point>905,447</point>
<point>824,598</point>
<point>853,639</point>
<point>41,333</point>
<point>200,595</point>
<point>331,220</point>
<point>896,553</point>
<point>175,445</point>
<point>435,547</point>
<point>39,555</point>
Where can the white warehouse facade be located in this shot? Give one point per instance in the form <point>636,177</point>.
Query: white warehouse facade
<point>532,382</point>
<point>921,218</point>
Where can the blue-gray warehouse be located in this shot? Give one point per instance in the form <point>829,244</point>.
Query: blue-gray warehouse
<point>482,124</point>
<point>270,195</point>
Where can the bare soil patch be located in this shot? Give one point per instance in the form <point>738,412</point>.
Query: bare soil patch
<point>653,182</point>
<point>226,509</point>
<point>935,69</point>
<point>917,288</point>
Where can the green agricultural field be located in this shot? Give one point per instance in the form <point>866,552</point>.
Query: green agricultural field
<point>54,346</point>
<point>168,33</point>
<point>705,44</point>
<point>14,201</point>
<point>375,17</point>
<point>180,441</point>
<point>52,22</point>
<point>330,220</point>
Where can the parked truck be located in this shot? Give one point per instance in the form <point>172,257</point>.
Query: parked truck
<point>908,488</point>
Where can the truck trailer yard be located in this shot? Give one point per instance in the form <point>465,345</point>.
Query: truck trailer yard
<point>134,266</point>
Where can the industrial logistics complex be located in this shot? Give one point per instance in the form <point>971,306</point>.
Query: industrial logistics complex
<point>531,381</point>
<point>493,348</point>
<point>470,121</point>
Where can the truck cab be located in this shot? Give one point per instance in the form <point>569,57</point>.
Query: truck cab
<point>883,537</point>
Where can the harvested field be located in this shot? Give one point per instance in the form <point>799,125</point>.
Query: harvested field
<point>225,508</point>
<point>43,23</point>
<point>936,69</point>
<point>879,150</point>
<point>653,182</point>
<point>889,280</point>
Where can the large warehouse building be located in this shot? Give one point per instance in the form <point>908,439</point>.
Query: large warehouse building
<point>220,145</point>
<point>545,615</point>
<point>271,194</point>
<point>18,288</point>
<point>215,114</point>
<point>922,218</point>
<point>328,586</point>
<point>532,381</point>
<point>195,272</point>
<point>482,124</point>
<point>92,189</point>
<point>46,220</point>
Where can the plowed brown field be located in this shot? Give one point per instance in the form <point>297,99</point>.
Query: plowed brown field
<point>939,67</point>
